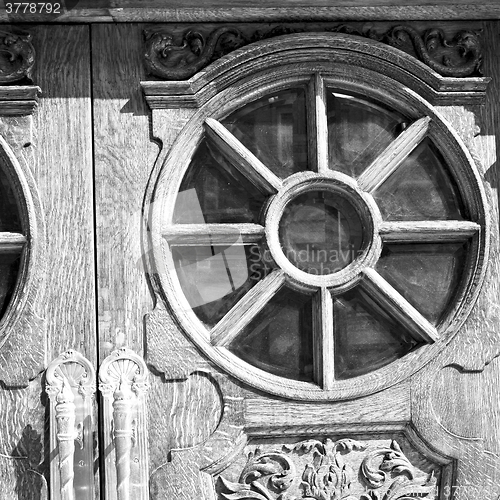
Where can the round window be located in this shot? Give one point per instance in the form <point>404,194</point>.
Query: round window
<point>316,233</point>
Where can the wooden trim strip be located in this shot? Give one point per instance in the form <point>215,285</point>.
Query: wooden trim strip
<point>11,242</point>
<point>213,234</point>
<point>387,163</point>
<point>246,309</point>
<point>428,231</point>
<point>323,339</point>
<point>398,307</point>
<point>317,123</point>
<point>242,159</point>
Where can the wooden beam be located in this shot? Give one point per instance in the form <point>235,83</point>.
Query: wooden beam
<point>213,234</point>
<point>11,242</point>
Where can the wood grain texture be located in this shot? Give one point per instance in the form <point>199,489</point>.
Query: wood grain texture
<point>107,11</point>
<point>427,231</point>
<point>455,399</point>
<point>247,308</point>
<point>11,242</point>
<point>386,410</point>
<point>210,234</point>
<point>390,159</point>
<point>323,339</point>
<point>242,159</point>
<point>398,307</point>
<point>22,443</point>
<point>63,171</point>
<point>124,159</point>
<point>317,125</point>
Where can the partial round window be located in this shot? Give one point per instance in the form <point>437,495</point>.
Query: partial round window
<point>12,239</point>
<point>319,234</point>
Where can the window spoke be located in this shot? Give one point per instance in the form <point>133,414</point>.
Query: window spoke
<point>318,125</point>
<point>323,340</point>
<point>241,158</point>
<point>245,310</point>
<point>390,159</point>
<point>379,290</point>
<point>213,234</point>
<point>428,231</point>
<point>11,242</point>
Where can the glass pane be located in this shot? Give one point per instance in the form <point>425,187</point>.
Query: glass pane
<point>365,337</point>
<point>279,339</point>
<point>321,232</point>
<point>420,189</point>
<point>9,212</point>
<point>214,278</point>
<point>358,131</point>
<point>9,269</point>
<point>274,130</point>
<point>213,191</point>
<point>426,275</point>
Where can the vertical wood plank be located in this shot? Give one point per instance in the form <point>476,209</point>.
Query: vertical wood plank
<point>124,160</point>
<point>63,171</point>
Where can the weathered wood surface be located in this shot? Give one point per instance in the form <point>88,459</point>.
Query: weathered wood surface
<point>124,158</point>
<point>454,404</point>
<point>108,11</point>
<point>63,171</point>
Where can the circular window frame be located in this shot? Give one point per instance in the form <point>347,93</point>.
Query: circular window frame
<point>343,76</point>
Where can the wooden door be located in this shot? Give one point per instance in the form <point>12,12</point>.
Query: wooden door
<point>215,425</point>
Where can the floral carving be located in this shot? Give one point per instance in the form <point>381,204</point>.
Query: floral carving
<point>17,56</point>
<point>329,470</point>
<point>178,57</point>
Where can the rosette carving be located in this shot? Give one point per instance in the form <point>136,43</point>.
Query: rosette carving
<point>17,56</point>
<point>345,469</point>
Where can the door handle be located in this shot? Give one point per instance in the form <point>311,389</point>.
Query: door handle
<point>123,384</point>
<point>70,385</point>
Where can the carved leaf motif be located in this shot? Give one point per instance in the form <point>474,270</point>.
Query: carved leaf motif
<point>238,491</point>
<point>394,460</point>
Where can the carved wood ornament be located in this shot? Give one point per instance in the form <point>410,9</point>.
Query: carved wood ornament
<point>170,58</point>
<point>70,385</point>
<point>327,470</point>
<point>17,56</point>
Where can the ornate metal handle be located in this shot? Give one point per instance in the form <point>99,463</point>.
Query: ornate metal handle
<point>123,384</point>
<point>70,386</point>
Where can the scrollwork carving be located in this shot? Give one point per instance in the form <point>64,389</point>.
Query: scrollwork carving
<point>172,60</point>
<point>173,57</point>
<point>345,469</point>
<point>17,56</point>
<point>458,57</point>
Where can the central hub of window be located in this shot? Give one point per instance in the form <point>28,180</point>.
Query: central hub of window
<point>321,232</point>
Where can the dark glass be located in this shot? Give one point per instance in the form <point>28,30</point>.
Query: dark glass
<point>420,189</point>
<point>9,269</point>
<point>365,337</point>
<point>321,232</point>
<point>10,220</point>
<point>358,131</point>
<point>213,191</point>
<point>279,339</point>
<point>214,278</point>
<point>427,276</point>
<point>274,130</point>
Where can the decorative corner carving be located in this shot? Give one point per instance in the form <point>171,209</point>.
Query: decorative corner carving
<point>17,57</point>
<point>178,57</point>
<point>345,469</point>
<point>70,385</point>
<point>458,57</point>
<point>123,383</point>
